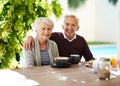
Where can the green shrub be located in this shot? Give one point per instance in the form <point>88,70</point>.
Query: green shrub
<point>98,43</point>
<point>15,20</point>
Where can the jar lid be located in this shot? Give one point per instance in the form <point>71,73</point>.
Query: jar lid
<point>104,59</point>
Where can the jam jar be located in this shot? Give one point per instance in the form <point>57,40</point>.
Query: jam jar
<point>104,68</point>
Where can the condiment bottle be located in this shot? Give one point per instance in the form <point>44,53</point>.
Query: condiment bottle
<point>104,68</point>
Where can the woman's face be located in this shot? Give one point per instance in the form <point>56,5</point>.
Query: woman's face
<point>44,31</point>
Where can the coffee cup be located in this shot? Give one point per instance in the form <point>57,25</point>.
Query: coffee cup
<point>62,61</point>
<point>95,66</point>
<point>74,58</point>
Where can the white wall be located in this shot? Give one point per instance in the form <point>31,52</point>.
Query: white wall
<point>106,22</point>
<point>97,20</point>
<point>118,30</point>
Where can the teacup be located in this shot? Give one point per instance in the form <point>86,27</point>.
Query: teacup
<point>61,61</point>
<point>74,58</point>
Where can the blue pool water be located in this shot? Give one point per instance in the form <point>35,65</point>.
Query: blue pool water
<point>103,50</point>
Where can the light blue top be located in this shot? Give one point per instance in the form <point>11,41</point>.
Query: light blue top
<point>45,59</point>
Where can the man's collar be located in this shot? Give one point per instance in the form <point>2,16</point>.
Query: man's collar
<point>69,39</point>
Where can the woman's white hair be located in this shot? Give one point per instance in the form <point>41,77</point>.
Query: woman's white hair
<point>46,20</point>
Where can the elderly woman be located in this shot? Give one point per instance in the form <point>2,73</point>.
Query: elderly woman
<point>45,50</point>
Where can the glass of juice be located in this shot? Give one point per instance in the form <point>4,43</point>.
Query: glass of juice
<point>114,62</point>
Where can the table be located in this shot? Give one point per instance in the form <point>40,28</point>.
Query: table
<point>76,75</point>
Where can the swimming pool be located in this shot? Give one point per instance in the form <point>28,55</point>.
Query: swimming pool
<point>103,50</point>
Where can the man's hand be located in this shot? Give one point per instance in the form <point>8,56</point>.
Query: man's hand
<point>28,43</point>
<point>89,63</point>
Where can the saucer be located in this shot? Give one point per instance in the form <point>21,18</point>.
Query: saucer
<point>61,66</point>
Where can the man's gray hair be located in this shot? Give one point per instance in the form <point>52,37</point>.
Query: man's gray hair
<point>71,15</point>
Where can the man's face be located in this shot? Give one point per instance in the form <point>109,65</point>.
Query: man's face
<point>70,27</point>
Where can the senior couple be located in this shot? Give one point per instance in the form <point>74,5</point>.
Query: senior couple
<point>42,48</point>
